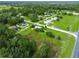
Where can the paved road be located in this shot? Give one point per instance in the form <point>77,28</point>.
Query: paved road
<point>76,47</point>
<point>52,28</point>
<point>67,32</point>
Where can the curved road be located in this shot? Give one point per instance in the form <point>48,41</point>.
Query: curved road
<point>75,52</point>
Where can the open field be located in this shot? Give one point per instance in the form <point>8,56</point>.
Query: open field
<point>69,23</point>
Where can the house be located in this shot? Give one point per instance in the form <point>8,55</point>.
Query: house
<point>49,21</point>
<point>37,27</point>
<point>13,27</point>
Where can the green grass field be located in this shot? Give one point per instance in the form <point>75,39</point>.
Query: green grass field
<point>69,23</point>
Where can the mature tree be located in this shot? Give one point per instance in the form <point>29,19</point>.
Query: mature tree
<point>59,38</point>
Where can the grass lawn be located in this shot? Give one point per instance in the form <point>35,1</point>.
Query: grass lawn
<point>69,23</point>
<point>67,48</point>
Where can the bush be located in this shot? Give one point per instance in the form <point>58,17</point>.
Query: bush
<point>39,29</point>
<point>50,34</point>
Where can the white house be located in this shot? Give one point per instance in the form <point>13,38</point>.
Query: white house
<point>49,21</point>
<point>37,27</point>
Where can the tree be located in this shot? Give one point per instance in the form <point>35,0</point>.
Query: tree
<point>12,21</point>
<point>33,17</point>
<point>32,26</point>
<point>20,47</point>
<point>13,11</point>
<point>39,29</point>
<point>3,18</point>
<point>59,38</point>
<point>50,34</point>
